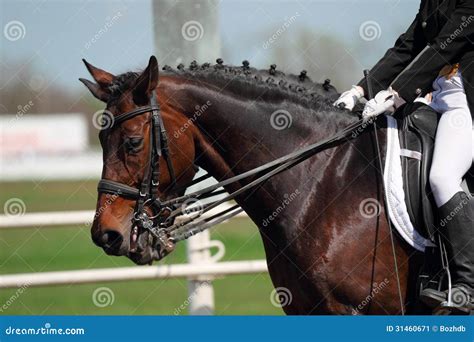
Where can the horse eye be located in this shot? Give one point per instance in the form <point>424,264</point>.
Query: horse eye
<point>133,144</point>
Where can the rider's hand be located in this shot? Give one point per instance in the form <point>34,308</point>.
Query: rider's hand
<point>384,101</point>
<point>348,99</point>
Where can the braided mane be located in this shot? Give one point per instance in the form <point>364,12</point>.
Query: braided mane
<point>270,84</point>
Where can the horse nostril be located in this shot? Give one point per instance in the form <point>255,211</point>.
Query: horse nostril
<point>111,239</point>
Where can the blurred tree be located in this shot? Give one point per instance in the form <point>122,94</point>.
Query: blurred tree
<point>322,56</point>
<point>26,90</point>
<point>22,84</point>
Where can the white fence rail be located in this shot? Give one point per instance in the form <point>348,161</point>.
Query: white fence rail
<point>201,269</point>
<point>51,219</point>
<point>132,273</point>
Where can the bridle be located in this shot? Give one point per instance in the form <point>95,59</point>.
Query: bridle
<point>147,193</point>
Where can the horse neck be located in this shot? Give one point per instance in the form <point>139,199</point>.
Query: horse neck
<point>234,134</point>
<point>237,134</point>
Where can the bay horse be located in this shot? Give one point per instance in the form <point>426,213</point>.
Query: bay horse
<point>321,245</point>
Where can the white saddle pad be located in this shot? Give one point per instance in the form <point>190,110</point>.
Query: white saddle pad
<point>394,193</point>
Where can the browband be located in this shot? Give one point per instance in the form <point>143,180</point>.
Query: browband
<point>126,116</point>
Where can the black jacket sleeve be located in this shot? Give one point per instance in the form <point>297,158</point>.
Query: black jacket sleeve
<point>455,39</point>
<point>397,58</point>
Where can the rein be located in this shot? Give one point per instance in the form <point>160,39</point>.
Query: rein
<point>189,226</point>
<point>389,222</point>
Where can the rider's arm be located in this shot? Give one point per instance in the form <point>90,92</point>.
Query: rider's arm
<point>407,46</point>
<point>455,39</point>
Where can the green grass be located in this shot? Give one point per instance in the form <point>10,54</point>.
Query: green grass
<point>69,248</point>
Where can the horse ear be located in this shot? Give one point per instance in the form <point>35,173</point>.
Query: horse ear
<point>102,77</point>
<point>96,90</point>
<point>146,82</point>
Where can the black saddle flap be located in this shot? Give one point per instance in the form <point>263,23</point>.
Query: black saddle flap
<point>417,134</point>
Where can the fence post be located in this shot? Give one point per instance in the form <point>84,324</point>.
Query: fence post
<point>200,290</point>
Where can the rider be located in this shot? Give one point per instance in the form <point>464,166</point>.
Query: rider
<point>436,54</point>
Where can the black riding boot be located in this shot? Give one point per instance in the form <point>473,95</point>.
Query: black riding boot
<point>457,230</point>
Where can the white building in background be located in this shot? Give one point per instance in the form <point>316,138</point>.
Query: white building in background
<point>46,146</point>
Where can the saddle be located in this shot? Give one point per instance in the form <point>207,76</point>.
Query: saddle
<point>417,131</point>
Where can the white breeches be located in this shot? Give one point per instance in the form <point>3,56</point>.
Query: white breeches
<point>453,151</point>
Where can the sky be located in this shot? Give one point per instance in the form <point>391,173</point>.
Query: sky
<point>53,36</point>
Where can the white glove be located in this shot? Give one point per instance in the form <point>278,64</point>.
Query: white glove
<point>348,99</point>
<point>384,101</point>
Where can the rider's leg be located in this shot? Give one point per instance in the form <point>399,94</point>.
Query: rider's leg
<point>452,155</point>
<point>452,158</point>
<point>453,152</point>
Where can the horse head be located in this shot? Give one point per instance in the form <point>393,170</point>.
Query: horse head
<point>138,169</point>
